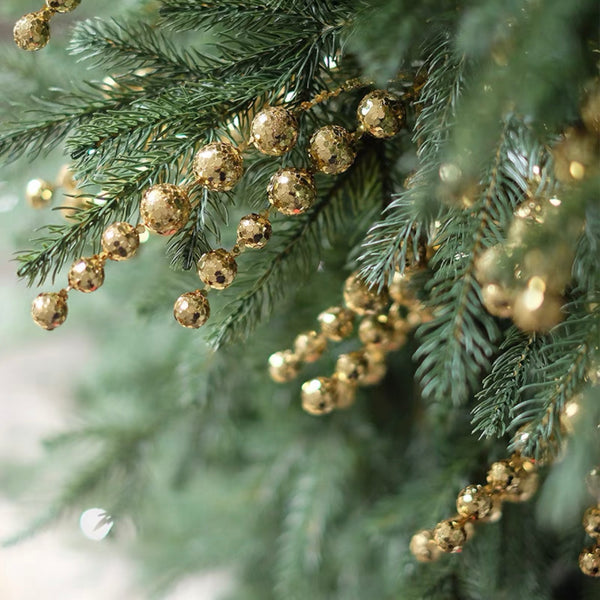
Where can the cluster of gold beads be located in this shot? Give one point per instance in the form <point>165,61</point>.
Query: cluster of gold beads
<point>510,480</point>
<point>120,241</point>
<point>291,191</point>
<point>32,31</point>
<point>382,328</point>
<point>589,559</point>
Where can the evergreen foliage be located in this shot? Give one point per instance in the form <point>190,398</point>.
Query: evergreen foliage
<point>184,433</point>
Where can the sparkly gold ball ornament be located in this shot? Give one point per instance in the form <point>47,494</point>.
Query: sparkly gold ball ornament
<point>49,310</point>
<point>62,6</point>
<point>474,501</point>
<point>331,149</point>
<point>449,535</point>
<point>591,521</point>
<point>120,241</point>
<point>589,561</point>
<point>318,395</point>
<point>217,268</point>
<point>352,367</point>
<point>336,323</point>
<point>165,208</point>
<point>39,193</point>
<point>86,274</point>
<point>292,191</point>
<point>192,309</point>
<point>218,166</point>
<point>497,300</point>
<point>381,114</point>
<point>378,331</point>
<point>32,31</point>
<point>283,366</point>
<point>423,547</point>
<point>361,299</point>
<point>309,346</point>
<point>535,310</point>
<point>345,393</point>
<point>254,231</point>
<point>274,131</point>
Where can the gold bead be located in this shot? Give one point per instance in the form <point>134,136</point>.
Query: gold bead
<point>274,131</point>
<point>345,393</point>
<point>381,114</point>
<point>120,241</point>
<point>535,310</point>
<point>591,521</point>
<point>495,513</point>
<point>592,482</point>
<point>361,299</point>
<point>449,535</point>
<point>218,166</point>
<point>254,231</point>
<point>49,309</point>
<point>377,367</point>
<point>39,193</point>
<point>192,309</point>
<point>318,395</point>
<point>474,501</point>
<point>331,149</point>
<point>423,547</point>
<point>515,478</point>
<point>352,367</point>
<point>283,366</point>
<point>378,331</point>
<point>86,274</point>
<point>32,31</point>
<point>309,346</point>
<point>497,300</point>
<point>401,290</point>
<point>217,268</point>
<point>165,208</point>
<point>62,6</point>
<point>336,323</point>
<point>589,561</point>
<point>292,191</point>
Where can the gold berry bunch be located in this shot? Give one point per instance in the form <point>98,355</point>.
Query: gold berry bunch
<point>382,328</point>
<point>589,559</point>
<point>32,31</point>
<point>218,166</point>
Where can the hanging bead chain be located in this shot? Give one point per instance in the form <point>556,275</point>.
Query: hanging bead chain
<point>589,559</point>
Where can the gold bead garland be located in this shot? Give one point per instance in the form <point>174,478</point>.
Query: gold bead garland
<point>218,166</point>
<point>32,31</point>
<point>589,559</point>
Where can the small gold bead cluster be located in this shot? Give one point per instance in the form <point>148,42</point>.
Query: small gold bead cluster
<point>382,329</point>
<point>509,480</point>
<point>589,559</point>
<point>32,31</point>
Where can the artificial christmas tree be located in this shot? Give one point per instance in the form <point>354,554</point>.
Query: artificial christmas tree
<point>422,181</point>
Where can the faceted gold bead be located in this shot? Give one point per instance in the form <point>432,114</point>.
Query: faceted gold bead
<point>352,367</point>
<point>497,300</point>
<point>449,535</point>
<point>217,268</point>
<point>165,208</point>
<point>86,274</point>
<point>381,114</point>
<point>218,166</point>
<point>401,289</point>
<point>254,231</point>
<point>318,395</point>
<point>495,513</point>
<point>361,299</point>
<point>274,131</point>
<point>292,191</point>
<point>516,478</point>
<point>283,366</point>
<point>474,501</point>
<point>589,561</point>
<point>309,346</point>
<point>120,241</point>
<point>39,193</point>
<point>192,309</point>
<point>423,547</point>
<point>336,323</point>
<point>345,393</point>
<point>331,149</point>
<point>535,311</point>
<point>63,6</point>
<point>377,367</point>
<point>49,309</point>
<point>377,331</point>
<point>31,31</point>
<point>591,521</point>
